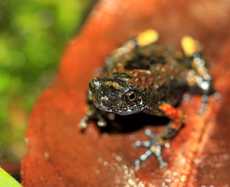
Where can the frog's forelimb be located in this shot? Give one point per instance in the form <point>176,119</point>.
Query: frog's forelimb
<point>156,144</point>
<point>90,115</point>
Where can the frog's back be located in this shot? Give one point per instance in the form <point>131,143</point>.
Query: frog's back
<point>153,68</point>
<point>158,64</point>
<point>140,52</point>
<point>162,72</point>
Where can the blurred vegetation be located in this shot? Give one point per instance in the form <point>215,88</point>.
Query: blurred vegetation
<point>33,34</point>
<point>6,180</point>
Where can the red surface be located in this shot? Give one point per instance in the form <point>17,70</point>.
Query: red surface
<point>59,155</point>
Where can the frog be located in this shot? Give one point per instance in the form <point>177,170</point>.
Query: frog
<point>144,76</point>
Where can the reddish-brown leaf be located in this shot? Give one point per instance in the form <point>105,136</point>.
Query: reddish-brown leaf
<point>59,155</point>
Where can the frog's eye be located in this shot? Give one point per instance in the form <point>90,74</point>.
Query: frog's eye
<point>131,96</point>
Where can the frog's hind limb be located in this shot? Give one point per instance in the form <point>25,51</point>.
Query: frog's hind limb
<point>198,76</point>
<point>156,143</point>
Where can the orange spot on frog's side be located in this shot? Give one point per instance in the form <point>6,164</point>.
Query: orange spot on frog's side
<point>170,111</point>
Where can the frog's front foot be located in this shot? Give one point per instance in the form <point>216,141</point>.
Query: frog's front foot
<point>90,116</point>
<point>154,146</point>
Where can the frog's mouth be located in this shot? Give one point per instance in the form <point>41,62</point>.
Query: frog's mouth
<point>119,108</point>
<point>126,113</point>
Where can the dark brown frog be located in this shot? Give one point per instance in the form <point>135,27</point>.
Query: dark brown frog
<point>143,76</point>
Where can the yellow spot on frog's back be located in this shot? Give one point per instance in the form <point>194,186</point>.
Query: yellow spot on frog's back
<point>115,85</point>
<point>147,37</point>
<point>190,45</point>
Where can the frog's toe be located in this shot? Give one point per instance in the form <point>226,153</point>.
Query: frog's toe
<point>140,143</point>
<point>163,164</point>
<point>157,150</point>
<point>142,158</point>
<point>101,123</point>
<point>83,123</point>
<point>137,164</point>
<point>204,104</point>
<point>149,133</point>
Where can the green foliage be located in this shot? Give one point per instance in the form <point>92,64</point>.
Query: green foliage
<point>33,34</point>
<point>6,180</point>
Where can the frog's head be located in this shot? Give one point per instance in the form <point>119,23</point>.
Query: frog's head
<point>116,94</point>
